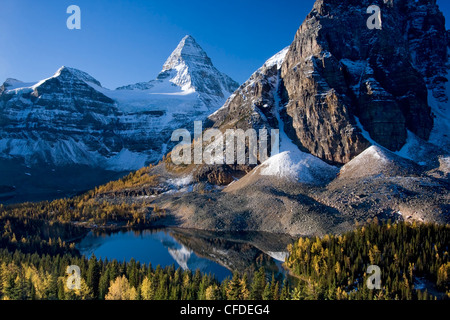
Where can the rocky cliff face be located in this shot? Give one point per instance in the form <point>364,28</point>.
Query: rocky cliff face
<point>338,78</point>
<point>253,104</point>
<point>338,69</point>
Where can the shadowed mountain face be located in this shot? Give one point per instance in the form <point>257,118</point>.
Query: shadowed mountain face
<point>337,69</point>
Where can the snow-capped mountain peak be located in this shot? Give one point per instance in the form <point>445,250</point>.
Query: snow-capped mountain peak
<point>64,74</point>
<point>12,82</point>
<point>188,51</point>
<point>181,65</point>
<point>187,70</point>
<point>190,68</point>
<point>67,72</point>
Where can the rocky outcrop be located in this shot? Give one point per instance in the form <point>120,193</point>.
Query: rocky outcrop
<point>337,69</point>
<point>253,104</point>
<point>338,78</point>
<point>220,175</point>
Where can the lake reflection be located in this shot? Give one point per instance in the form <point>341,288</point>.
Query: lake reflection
<point>210,252</point>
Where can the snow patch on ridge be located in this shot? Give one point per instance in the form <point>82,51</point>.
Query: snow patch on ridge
<point>277,59</point>
<point>300,166</point>
<point>365,133</point>
<point>181,182</point>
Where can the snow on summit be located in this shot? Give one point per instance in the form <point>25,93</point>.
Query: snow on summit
<point>189,69</point>
<point>187,51</point>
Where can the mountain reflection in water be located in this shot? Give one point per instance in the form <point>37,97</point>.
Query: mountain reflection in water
<point>218,253</point>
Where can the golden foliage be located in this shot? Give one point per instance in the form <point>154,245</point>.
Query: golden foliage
<point>120,289</point>
<point>139,178</point>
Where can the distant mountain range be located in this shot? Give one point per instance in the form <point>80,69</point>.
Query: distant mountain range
<point>70,118</point>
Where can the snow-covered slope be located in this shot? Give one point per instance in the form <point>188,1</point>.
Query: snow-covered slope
<point>376,161</point>
<point>58,120</point>
<point>69,118</point>
<point>290,163</point>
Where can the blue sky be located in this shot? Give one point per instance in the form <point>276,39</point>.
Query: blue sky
<point>123,42</point>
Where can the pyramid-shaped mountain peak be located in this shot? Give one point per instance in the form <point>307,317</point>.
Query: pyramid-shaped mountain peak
<point>188,51</point>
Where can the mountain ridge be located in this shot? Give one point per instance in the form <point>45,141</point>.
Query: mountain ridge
<point>101,110</point>
<point>69,120</point>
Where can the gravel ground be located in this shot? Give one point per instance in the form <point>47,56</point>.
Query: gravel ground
<point>395,189</point>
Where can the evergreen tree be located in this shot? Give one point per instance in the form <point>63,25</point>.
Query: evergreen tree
<point>103,283</point>
<point>245,292</point>
<point>234,288</point>
<point>258,284</point>
<point>285,291</point>
<point>147,289</point>
<point>212,292</point>
<point>93,276</point>
<point>120,289</point>
<point>267,294</point>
